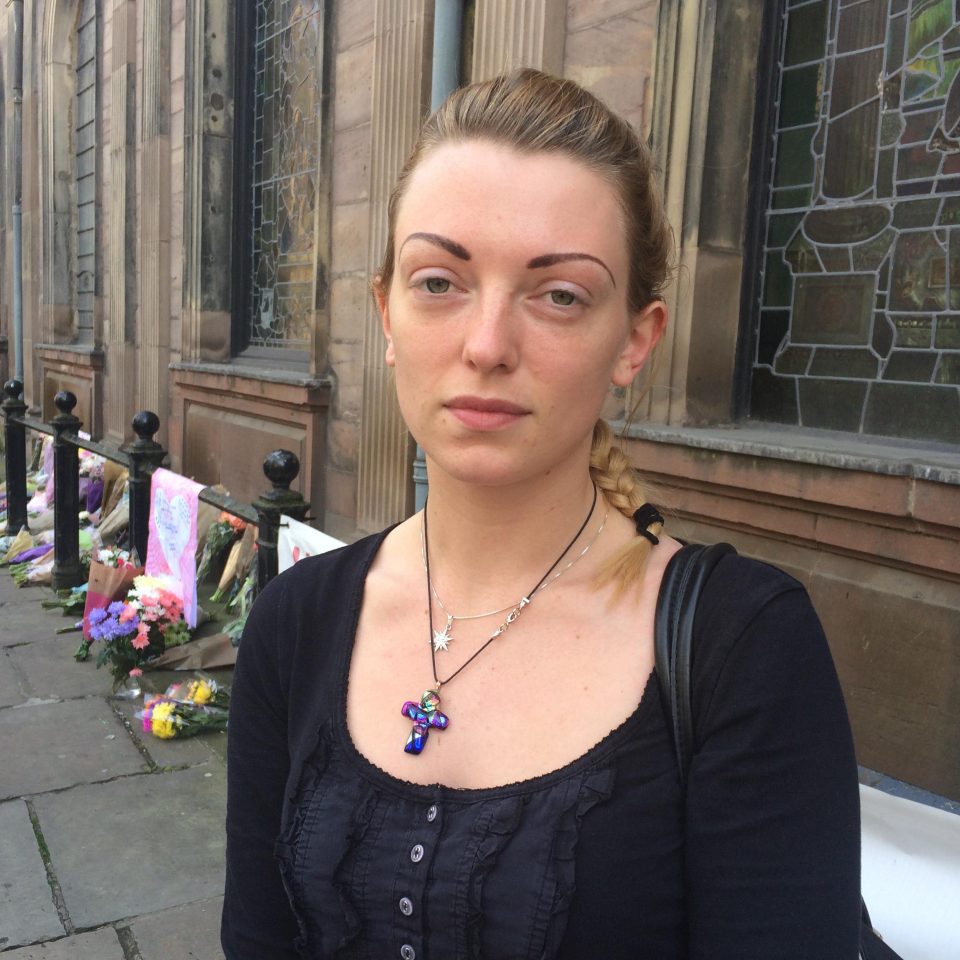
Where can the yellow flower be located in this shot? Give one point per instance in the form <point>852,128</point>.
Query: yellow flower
<point>162,722</point>
<point>199,691</point>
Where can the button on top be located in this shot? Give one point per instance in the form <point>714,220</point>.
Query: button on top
<point>406,906</point>
<point>407,952</point>
<point>416,854</point>
<point>432,814</point>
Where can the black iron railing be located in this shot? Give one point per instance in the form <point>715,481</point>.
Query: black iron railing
<point>141,457</point>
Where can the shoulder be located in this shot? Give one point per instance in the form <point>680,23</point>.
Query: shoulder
<point>757,636</point>
<point>310,599</point>
<point>740,588</point>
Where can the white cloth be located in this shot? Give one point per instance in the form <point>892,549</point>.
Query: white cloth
<point>297,540</point>
<point>911,875</point>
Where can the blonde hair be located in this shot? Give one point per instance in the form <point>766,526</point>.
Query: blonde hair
<point>532,112</point>
<point>621,487</point>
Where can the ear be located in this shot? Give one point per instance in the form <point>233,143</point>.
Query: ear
<point>646,328</point>
<point>381,299</point>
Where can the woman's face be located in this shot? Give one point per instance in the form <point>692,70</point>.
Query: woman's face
<point>507,318</point>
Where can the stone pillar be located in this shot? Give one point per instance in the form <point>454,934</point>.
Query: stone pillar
<point>154,255</point>
<point>401,92</point>
<point>122,222</point>
<point>57,179</point>
<point>208,131</point>
<point>706,198</point>
<point>518,33</point>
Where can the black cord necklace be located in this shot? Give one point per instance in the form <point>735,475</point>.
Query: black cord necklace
<point>425,713</point>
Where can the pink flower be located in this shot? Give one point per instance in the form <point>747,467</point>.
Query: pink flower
<point>142,640</point>
<point>128,613</point>
<point>136,672</point>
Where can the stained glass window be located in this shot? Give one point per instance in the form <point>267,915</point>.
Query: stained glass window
<point>286,146</point>
<point>859,315</point>
<point>85,144</point>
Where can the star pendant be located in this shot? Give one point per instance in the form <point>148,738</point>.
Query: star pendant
<point>442,638</point>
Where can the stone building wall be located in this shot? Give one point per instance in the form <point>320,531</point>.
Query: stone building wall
<point>873,529</point>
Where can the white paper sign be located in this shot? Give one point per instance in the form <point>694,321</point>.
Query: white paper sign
<point>296,540</point>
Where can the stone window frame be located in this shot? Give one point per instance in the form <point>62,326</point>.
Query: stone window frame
<point>216,94</point>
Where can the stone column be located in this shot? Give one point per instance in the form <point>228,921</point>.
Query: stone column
<point>706,197</point>
<point>122,223</point>
<point>57,179</point>
<point>154,255</point>
<point>208,146</point>
<point>518,33</point>
<point>401,91</point>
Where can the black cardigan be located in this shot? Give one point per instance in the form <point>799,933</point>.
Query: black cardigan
<point>603,858</point>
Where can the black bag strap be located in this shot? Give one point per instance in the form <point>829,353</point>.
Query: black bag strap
<point>683,581</point>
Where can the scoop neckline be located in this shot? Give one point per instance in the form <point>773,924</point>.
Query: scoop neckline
<point>410,789</point>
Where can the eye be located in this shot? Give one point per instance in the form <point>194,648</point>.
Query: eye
<point>563,298</point>
<point>436,285</point>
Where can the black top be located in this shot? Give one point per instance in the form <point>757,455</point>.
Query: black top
<point>604,857</point>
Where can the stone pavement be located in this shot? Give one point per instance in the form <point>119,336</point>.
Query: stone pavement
<point>111,841</point>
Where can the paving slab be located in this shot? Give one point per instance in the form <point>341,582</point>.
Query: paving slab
<point>11,593</point>
<point>52,673</point>
<point>27,911</point>
<point>96,945</point>
<point>10,689</point>
<point>23,622</point>
<point>191,932</point>
<point>47,746</point>
<point>137,845</point>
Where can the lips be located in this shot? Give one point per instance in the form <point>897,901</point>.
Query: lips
<point>485,413</point>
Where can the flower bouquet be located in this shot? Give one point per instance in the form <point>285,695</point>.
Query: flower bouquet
<point>186,709</point>
<point>220,536</point>
<point>135,630</point>
<point>202,690</point>
<point>112,573</point>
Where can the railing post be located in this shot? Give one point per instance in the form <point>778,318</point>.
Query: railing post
<point>66,494</point>
<point>16,457</point>
<point>145,456</point>
<point>280,468</point>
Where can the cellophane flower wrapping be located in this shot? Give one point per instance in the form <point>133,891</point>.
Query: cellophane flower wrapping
<point>219,538</point>
<point>186,709</point>
<point>135,630</point>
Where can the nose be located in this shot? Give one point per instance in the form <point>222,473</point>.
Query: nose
<point>491,335</point>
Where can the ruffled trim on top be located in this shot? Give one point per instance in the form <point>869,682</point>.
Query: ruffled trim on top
<point>292,824</point>
<point>496,825</point>
<point>596,787</point>
<point>359,823</point>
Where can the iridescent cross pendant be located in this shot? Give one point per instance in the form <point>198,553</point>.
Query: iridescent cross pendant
<point>424,716</point>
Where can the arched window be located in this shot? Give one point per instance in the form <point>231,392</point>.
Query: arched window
<point>85,153</point>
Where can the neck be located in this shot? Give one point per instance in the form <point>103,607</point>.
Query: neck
<point>489,543</point>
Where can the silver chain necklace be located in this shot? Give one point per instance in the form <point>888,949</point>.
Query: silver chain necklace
<point>443,638</point>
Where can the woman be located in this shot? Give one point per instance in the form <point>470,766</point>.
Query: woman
<point>452,726</point>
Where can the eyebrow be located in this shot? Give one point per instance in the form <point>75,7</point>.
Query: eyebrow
<point>549,259</point>
<point>545,260</point>
<point>451,246</point>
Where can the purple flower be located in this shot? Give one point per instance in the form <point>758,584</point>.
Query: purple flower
<point>115,608</point>
<point>97,615</point>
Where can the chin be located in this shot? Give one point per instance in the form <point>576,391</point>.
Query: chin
<point>482,466</point>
